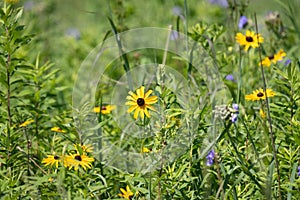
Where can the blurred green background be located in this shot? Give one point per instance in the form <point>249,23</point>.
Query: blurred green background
<point>66,28</point>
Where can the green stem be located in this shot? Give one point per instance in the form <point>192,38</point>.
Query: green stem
<point>8,76</point>
<point>269,114</point>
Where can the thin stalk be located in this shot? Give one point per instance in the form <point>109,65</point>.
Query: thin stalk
<point>269,114</point>
<point>8,76</point>
<point>221,181</point>
<point>240,81</point>
<point>122,54</point>
<point>99,134</point>
<point>162,69</point>
<point>28,151</point>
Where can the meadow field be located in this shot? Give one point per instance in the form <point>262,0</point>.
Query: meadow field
<point>160,99</point>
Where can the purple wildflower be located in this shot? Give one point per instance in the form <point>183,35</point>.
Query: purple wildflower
<point>298,173</point>
<point>222,3</point>
<point>177,10</point>
<point>287,62</point>
<point>174,35</point>
<point>73,32</point>
<point>234,118</point>
<point>210,158</point>
<point>230,77</point>
<point>243,22</point>
<point>235,106</point>
<point>234,112</point>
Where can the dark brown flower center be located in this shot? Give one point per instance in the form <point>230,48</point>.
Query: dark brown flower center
<point>271,57</point>
<point>249,39</point>
<point>103,108</point>
<point>78,157</point>
<point>260,94</point>
<point>56,157</point>
<point>140,101</point>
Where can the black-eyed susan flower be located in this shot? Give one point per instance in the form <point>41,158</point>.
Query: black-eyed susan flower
<point>126,194</point>
<point>260,95</point>
<point>140,102</point>
<point>85,148</point>
<point>52,160</point>
<point>26,123</point>
<point>104,109</point>
<point>57,129</point>
<point>249,40</point>
<point>273,58</point>
<point>76,160</point>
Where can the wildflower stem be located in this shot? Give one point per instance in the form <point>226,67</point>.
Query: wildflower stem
<point>99,133</point>
<point>122,54</point>
<point>268,111</point>
<point>8,82</point>
<point>240,80</point>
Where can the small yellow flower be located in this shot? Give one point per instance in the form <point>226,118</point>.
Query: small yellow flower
<point>273,58</point>
<point>24,124</point>
<point>50,179</point>
<point>52,160</point>
<point>126,194</point>
<point>105,109</point>
<point>86,148</point>
<point>249,40</point>
<point>140,102</point>
<point>145,150</point>
<point>262,113</point>
<point>260,95</point>
<point>57,129</point>
<point>76,160</point>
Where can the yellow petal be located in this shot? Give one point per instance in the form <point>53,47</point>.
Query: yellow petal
<point>123,191</point>
<point>132,108</point>
<point>140,92</point>
<point>133,95</point>
<point>130,103</point>
<point>151,100</point>
<point>151,108</point>
<point>142,113</point>
<point>148,93</point>
<point>147,113</point>
<point>136,113</point>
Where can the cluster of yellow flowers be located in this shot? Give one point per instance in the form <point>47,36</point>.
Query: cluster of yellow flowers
<point>74,160</point>
<point>251,39</point>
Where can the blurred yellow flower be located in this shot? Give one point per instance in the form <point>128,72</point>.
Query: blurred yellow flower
<point>259,95</point>
<point>76,160</point>
<point>145,150</point>
<point>86,148</point>
<point>273,58</point>
<point>57,129</point>
<point>105,109</point>
<point>140,102</point>
<point>26,123</point>
<point>126,194</point>
<point>251,39</point>
<point>262,113</point>
<point>52,160</point>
